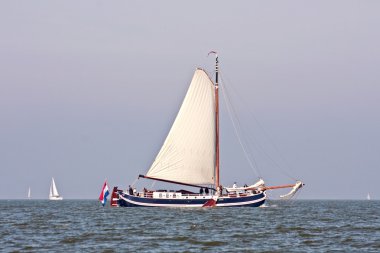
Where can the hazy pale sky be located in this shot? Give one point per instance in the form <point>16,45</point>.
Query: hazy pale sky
<point>89,90</point>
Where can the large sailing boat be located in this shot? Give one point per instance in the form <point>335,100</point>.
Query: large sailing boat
<point>190,157</point>
<point>53,194</point>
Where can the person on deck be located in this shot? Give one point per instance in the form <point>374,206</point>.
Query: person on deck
<point>234,186</point>
<point>145,191</point>
<point>130,190</point>
<point>220,190</point>
<point>134,191</point>
<point>201,191</point>
<point>206,191</point>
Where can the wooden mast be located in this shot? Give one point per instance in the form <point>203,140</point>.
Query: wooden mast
<point>217,175</point>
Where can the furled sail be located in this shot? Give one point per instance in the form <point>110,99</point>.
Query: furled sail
<point>256,186</point>
<point>295,188</point>
<point>188,153</point>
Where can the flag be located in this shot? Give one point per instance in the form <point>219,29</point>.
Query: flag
<point>104,193</point>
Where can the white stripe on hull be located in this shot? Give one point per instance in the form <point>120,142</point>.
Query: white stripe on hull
<point>241,203</point>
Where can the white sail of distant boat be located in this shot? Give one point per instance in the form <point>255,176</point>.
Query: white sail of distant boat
<point>29,194</point>
<point>368,196</point>
<point>53,194</point>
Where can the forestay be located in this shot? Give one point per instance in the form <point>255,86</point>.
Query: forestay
<point>188,153</point>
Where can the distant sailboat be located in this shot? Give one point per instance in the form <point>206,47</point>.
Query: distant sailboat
<point>29,194</point>
<point>53,194</point>
<point>368,196</point>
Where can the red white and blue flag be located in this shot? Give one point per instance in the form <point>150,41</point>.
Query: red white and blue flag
<point>104,193</point>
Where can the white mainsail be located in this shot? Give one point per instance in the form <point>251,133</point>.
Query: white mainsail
<point>29,193</point>
<point>188,153</point>
<point>53,194</point>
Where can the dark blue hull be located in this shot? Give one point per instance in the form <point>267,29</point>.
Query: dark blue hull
<point>126,200</point>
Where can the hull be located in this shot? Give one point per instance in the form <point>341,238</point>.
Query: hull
<point>126,200</point>
<point>55,198</point>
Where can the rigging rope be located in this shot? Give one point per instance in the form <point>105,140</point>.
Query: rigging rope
<point>134,182</point>
<point>258,146</point>
<point>236,126</point>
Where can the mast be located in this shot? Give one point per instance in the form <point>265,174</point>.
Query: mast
<point>217,175</point>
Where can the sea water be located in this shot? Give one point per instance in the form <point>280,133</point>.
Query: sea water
<point>280,226</point>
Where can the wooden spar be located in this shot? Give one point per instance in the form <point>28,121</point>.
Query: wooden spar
<point>217,175</point>
<point>271,187</point>
<point>174,182</point>
<point>278,187</point>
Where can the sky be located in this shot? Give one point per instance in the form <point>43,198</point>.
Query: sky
<point>89,90</point>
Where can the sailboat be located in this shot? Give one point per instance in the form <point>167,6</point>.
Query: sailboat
<point>190,157</point>
<point>53,194</point>
<point>29,194</point>
<point>368,196</point>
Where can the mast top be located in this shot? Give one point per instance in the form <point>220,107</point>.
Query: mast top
<point>213,52</point>
<point>216,67</point>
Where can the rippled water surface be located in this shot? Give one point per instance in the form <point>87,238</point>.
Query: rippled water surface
<point>84,225</point>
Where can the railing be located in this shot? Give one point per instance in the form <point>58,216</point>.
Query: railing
<point>174,195</point>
